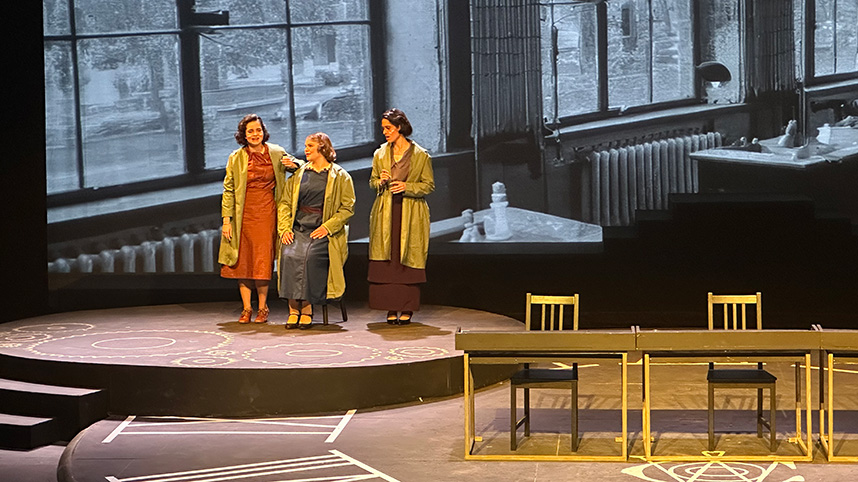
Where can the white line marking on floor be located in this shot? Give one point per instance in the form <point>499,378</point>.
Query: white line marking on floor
<point>342,425</point>
<point>118,429</point>
<point>364,466</point>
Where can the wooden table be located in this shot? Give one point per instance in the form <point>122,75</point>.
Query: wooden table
<point>834,344</point>
<point>798,345</point>
<point>509,348</point>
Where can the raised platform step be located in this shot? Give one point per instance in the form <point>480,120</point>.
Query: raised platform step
<point>197,360</point>
<point>23,432</point>
<point>73,409</point>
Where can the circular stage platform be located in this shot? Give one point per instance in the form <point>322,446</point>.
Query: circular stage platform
<point>197,360</point>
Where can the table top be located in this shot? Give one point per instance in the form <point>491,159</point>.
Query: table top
<point>594,341</point>
<point>846,149</point>
<point>656,340</point>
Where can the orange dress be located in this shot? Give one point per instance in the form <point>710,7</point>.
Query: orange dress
<point>259,222</point>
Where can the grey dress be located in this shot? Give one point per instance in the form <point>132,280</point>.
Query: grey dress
<point>304,262</point>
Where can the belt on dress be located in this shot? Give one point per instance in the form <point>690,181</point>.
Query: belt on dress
<point>310,209</point>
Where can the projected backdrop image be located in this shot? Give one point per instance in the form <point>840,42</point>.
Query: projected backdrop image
<point>531,143</point>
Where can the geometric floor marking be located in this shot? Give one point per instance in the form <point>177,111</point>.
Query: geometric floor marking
<point>303,468</point>
<point>132,344</point>
<point>216,426</point>
<point>709,472</point>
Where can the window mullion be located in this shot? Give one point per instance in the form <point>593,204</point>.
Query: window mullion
<point>650,57</point>
<point>192,97</point>
<point>602,49</point>
<point>78,128</point>
<point>293,122</point>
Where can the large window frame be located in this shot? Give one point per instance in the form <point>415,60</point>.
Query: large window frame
<point>808,54</point>
<point>195,171</point>
<point>604,110</point>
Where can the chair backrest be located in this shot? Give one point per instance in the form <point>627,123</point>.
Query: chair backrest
<point>553,307</point>
<point>732,305</point>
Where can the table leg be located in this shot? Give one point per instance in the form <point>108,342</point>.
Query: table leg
<point>830,369</point>
<point>647,435</point>
<point>625,436</point>
<point>469,406</point>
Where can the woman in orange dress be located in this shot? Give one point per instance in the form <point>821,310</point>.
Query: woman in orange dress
<point>255,176</point>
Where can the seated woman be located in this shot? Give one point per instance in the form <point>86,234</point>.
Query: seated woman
<point>312,221</point>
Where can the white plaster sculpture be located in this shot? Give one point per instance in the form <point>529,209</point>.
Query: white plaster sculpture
<point>471,233</point>
<point>496,224</point>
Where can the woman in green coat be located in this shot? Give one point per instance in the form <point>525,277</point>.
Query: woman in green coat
<point>313,217</point>
<point>399,220</point>
<point>255,175</point>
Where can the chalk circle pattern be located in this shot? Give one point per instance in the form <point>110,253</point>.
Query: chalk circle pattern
<point>132,344</point>
<point>418,352</point>
<point>203,361</point>
<point>312,354</point>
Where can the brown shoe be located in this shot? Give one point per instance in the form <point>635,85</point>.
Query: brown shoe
<point>262,316</point>
<point>245,316</point>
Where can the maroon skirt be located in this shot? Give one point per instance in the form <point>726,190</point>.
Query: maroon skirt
<point>392,285</point>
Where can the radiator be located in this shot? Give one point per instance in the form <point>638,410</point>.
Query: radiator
<point>188,253</point>
<point>621,180</point>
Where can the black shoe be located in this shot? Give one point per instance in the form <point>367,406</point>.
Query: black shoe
<point>405,318</point>
<point>391,318</point>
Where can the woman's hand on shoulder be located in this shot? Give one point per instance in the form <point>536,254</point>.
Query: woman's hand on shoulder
<point>319,232</point>
<point>288,163</point>
<point>287,237</point>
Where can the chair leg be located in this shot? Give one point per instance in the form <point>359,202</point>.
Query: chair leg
<point>711,410</point>
<point>513,425</point>
<point>574,431</point>
<point>760,413</point>
<point>527,412</point>
<point>343,310</point>
<point>773,408</point>
<point>325,314</point>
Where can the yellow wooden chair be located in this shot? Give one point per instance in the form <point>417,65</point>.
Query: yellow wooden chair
<point>527,378</point>
<point>735,318</point>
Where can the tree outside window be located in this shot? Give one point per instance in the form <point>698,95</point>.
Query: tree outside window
<point>120,103</point>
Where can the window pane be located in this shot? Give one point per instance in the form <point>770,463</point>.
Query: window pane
<point>243,12</point>
<point>61,142</point>
<point>629,58</point>
<point>55,16</point>
<point>333,90</point>
<point>328,11</point>
<point>823,39</point>
<point>130,109</point>
<point>847,36</point>
<point>569,60</point>
<point>99,16</point>
<point>719,24</point>
<point>672,51</point>
<point>243,72</point>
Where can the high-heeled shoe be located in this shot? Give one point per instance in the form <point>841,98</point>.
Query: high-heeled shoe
<point>302,324</point>
<point>392,319</point>
<point>245,316</point>
<point>405,317</point>
<point>292,321</point>
<point>262,316</point>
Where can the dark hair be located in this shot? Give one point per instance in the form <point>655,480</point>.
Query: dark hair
<point>242,129</point>
<point>326,149</point>
<point>398,118</point>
